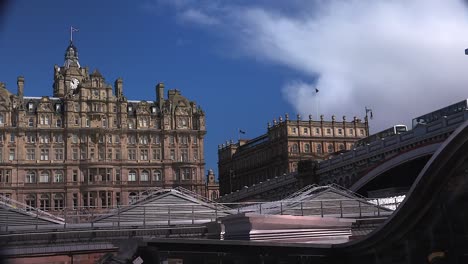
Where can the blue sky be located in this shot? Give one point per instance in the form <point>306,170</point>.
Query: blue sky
<point>248,62</point>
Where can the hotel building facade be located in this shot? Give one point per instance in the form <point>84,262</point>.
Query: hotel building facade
<point>89,146</point>
<point>278,151</point>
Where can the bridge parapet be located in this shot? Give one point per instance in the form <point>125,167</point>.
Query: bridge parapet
<point>422,133</point>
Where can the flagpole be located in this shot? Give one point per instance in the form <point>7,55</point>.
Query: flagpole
<point>71,34</point>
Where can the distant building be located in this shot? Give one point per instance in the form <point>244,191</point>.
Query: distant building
<point>278,152</point>
<point>89,146</point>
<point>212,186</point>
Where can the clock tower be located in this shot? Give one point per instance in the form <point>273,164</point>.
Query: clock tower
<point>68,77</point>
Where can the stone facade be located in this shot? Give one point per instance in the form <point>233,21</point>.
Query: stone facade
<point>89,146</point>
<point>278,152</point>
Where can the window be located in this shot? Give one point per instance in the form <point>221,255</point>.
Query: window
<point>132,139</point>
<point>83,154</point>
<point>58,176</point>
<point>157,176</point>
<point>317,131</point>
<point>156,139</point>
<point>91,153</point>
<point>195,140</point>
<point>104,122</point>
<point>59,154</point>
<point>59,123</point>
<point>172,154</point>
<point>109,139</point>
<point>117,175</point>
<point>143,139</point>
<point>351,131</point>
<point>101,153</point>
<point>58,138</point>
<point>143,122</point>
<point>195,154</point>
<point>44,202</point>
<point>185,173</point>
<point>44,154</point>
<point>117,154</point>
<point>74,154</point>
<point>74,138</point>
<point>58,202</point>
<point>306,131</point>
<point>31,122</point>
<point>342,147</point>
<point>11,155</point>
<point>109,154</point>
<point>30,201</point>
<point>131,124</point>
<point>330,148</point>
<point>340,131</point>
<point>117,139</point>
<point>75,175</point>
<point>143,154</point>
<point>184,140</point>
<point>361,131</point>
<point>12,137</point>
<point>88,123</point>
<point>75,201</point>
<point>30,107</point>
<point>156,154</point>
<point>295,148</point>
<point>44,138</point>
<point>328,131</point>
<point>319,148</point>
<point>171,140</point>
<point>30,177</point>
<point>1,119</point>
<point>307,148</point>
<point>184,155</point>
<point>132,154</point>
<point>5,175</point>
<point>44,177</point>
<point>144,176</point>
<point>101,139</point>
<point>30,154</point>
<point>294,130</point>
<point>132,175</point>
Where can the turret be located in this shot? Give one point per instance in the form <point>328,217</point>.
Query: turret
<point>118,87</point>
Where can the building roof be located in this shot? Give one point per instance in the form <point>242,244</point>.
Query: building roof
<point>167,207</point>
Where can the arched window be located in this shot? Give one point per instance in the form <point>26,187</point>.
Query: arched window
<point>30,201</point>
<point>214,195</point>
<point>132,175</point>
<point>144,176</point>
<point>330,148</point>
<point>44,202</point>
<point>307,148</point>
<point>58,201</point>
<point>132,197</point>
<point>30,177</point>
<point>58,176</point>
<point>157,175</point>
<point>44,177</point>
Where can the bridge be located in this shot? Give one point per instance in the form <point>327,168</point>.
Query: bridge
<point>381,168</point>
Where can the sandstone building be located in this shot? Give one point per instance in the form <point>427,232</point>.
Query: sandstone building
<point>278,151</point>
<point>89,146</point>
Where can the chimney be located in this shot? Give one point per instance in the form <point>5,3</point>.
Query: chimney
<point>20,83</point>
<point>160,94</point>
<point>118,87</point>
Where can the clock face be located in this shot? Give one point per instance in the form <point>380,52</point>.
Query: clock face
<point>74,83</point>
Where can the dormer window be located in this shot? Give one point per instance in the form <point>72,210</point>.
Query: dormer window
<point>153,109</point>
<point>130,108</point>
<point>30,107</point>
<point>57,107</point>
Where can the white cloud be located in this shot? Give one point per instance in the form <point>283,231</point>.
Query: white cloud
<point>198,17</point>
<point>402,58</point>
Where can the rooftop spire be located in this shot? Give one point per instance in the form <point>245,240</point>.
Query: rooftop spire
<point>71,54</point>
